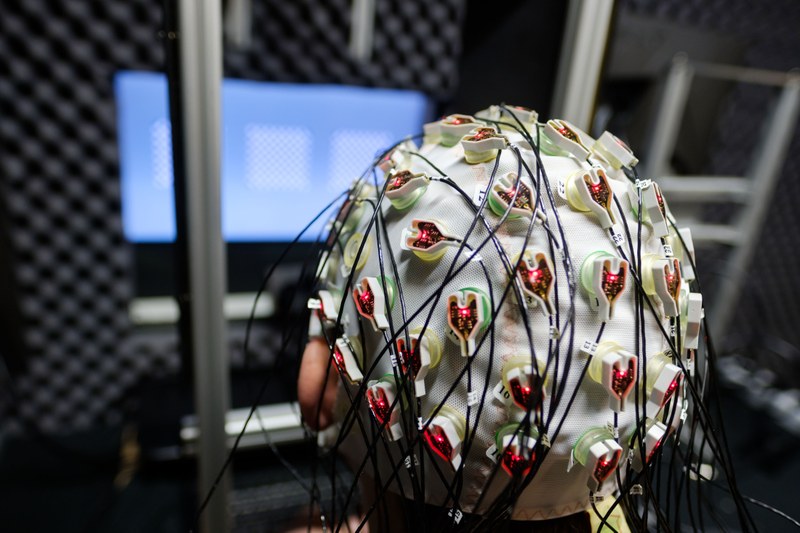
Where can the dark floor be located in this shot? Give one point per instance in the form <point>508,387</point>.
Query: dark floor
<point>68,485</point>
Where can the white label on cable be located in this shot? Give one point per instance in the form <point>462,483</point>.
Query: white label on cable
<point>393,359</point>
<point>643,184</point>
<point>411,460</point>
<point>545,440</point>
<point>456,515</point>
<point>472,398</point>
<point>589,347</point>
<point>452,336</point>
<point>562,188</point>
<point>617,237</point>
<point>502,394</point>
<point>554,333</point>
<point>480,194</point>
<point>596,498</point>
<point>420,423</point>
<point>667,250</point>
<point>636,490</point>
<point>314,303</point>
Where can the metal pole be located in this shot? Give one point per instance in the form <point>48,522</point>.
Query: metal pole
<point>200,38</point>
<point>668,120</point>
<point>581,61</point>
<point>764,175</point>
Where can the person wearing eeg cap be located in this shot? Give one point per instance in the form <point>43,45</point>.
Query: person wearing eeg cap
<point>503,334</point>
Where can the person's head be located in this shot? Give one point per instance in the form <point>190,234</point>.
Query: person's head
<point>505,323</point>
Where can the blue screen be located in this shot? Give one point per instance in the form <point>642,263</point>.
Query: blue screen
<point>287,151</point>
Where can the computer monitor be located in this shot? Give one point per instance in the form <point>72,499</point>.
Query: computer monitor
<point>287,151</point>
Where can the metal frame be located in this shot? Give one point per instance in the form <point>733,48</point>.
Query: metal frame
<point>200,65</point>
<point>754,190</point>
<point>275,424</point>
<point>581,60</point>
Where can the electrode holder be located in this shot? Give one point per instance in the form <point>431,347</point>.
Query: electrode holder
<point>535,275</point>
<point>598,453</point>
<point>347,354</point>
<point>444,435</point>
<point>662,278</point>
<point>590,191</point>
<point>372,302</point>
<point>517,449</point>
<point>481,145</point>
<point>385,406</point>
<point>615,369</point>
<point>468,313</point>
<point>404,188</point>
<point>428,239</point>
<point>614,151</point>
<point>525,384</point>
<point>507,189</point>
<point>420,357</point>
<point>604,277</point>
<point>569,138</point>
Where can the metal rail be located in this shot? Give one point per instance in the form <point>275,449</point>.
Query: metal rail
<point>754,190</point>
<point>200,62</point>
